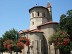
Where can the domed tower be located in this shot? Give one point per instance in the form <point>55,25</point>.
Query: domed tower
<point>38,16</point>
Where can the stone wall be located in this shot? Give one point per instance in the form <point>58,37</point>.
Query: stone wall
<point>36,43</point>
<point>48,30</point>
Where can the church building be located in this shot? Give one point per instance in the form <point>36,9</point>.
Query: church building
<point>41,28</point>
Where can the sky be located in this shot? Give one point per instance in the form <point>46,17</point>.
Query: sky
<point>15,13</point>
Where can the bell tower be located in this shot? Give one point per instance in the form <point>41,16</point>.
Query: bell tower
<point>50,10</point>
<point>39,15</point>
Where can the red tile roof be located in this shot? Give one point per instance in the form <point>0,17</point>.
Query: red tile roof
<point>35,30</point>
<point>48,23</point>
<point>29,31</point>
<point>23,31</point>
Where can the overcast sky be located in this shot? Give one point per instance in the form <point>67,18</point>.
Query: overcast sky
<point>15,13</point>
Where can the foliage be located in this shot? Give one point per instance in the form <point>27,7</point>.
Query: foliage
<point>11,34</point>
<point>71,45</point>
<point>61,41</point>
<point>20,45</point>
<point>7,44</point>
<point>66,23</point>
<point>12,42</point>
<point>11,46</point>
<point>17,47</point>
<point>24,40</point>
<point>2,49</point>
<point>60,38</point>
<point>9,40</point>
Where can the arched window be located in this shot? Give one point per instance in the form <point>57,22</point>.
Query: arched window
<point>32,23</point>
<point>32,14</point>
<point>38,13</point>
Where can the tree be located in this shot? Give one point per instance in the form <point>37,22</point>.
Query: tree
<point>11,34</point>
<point>66,22</point>
<point>10,39</point>
<point>2,49</point>
<point>63,37</point>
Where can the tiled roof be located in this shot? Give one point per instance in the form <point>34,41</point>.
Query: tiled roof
<point>23,31</point>
<point>29,31</point>
<point>35,30</point>
<point>48,23</point>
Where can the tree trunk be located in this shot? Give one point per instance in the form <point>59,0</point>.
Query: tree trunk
<point>10,52</point>
<point>16,52</point>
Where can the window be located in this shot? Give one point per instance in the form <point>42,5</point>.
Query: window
<point>32,14</point>
<point>32,23</point>
<point>38,13</point>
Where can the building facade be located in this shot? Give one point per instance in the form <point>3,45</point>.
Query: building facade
<point>41,28</point>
